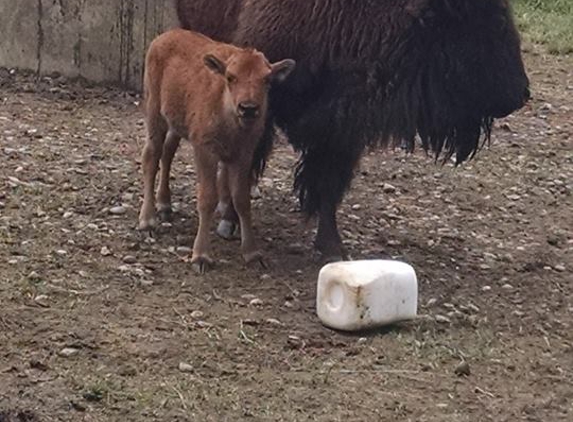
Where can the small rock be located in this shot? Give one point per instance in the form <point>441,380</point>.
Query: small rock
<point>197,314</point>
<point>463,369</point>
<point>119,210</point>
<point>356,207</point>
<point>42,300</point>
<point>443,319</point>
<point>68,214</point>
<point>105,251</point>
<point>61,252</point>
<point>265,277</point>
<point>129,259</point>
<point>388,188</point>
<point>559,268</point>
<point>431,302</point>
<point>546,107</point>
<point>34,277</point>
<point>146,283</point>
<point>127,371</point>
<point>362,340</point>
<point>507,286</point>
<point>294,341</point>
<point>128,196</point>
<point>184,250</point>
<point>486,288</point>
<point>473,307</point>
<point>274,321</point>
<point>256,302</point>
<point>68,352</point>
<point>185,367</point>
<point>295,249</point>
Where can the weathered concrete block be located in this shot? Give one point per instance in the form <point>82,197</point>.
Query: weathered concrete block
<point>19,34</point>
<point>103,41</point>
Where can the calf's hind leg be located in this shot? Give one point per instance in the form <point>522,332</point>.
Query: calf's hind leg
<point>206,166</point>
<point>156,131</point>
<point>164,192</point>
<point>227,228</point>
<point>229,224</point>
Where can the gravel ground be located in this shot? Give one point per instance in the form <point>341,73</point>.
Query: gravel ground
<point>101,323</point>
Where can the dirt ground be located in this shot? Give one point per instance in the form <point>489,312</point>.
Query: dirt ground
<point>101,323</point>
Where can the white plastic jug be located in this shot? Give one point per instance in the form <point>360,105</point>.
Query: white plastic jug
<point>356,295</point>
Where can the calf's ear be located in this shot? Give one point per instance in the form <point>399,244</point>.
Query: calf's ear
<point>281,70</point>
<point>214,64</point>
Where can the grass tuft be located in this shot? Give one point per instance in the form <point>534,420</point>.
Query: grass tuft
<point>547,22</point>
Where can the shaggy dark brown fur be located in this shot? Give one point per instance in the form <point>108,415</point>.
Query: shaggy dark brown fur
<point>371,71</point>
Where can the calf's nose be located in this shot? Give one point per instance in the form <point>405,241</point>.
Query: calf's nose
<point>248,109</point>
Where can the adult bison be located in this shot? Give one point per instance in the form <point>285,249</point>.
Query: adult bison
<point>371,71</point>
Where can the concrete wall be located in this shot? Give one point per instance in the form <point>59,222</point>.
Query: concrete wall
<point>100,40</point>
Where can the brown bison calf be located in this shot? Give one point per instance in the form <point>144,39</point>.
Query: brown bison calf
<point>214,95</point>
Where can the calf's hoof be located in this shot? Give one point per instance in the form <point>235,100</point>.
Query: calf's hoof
<point>201,264</point>
<point>147,224</point>
<point>255,258</point>
<point>228,230</point>
<point>165,213</point>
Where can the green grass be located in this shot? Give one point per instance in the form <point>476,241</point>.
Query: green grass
<point>547,22</point>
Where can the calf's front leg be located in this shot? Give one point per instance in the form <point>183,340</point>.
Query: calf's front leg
<point>240,185</point>
<point>206,167</point>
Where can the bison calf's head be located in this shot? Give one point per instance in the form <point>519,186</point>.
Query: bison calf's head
<point>248,77</point>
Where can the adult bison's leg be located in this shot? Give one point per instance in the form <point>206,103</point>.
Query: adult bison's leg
<point>323,176</point>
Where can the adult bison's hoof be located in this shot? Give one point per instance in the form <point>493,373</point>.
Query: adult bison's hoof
<point>331,252</point>
<point>328,259</point>
<point>228,230</point>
